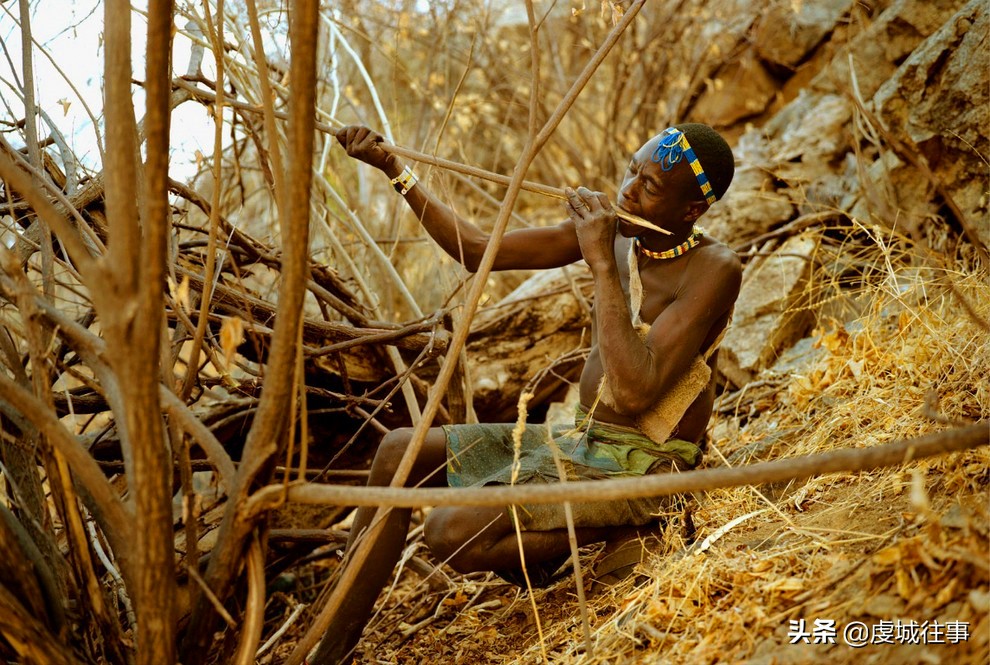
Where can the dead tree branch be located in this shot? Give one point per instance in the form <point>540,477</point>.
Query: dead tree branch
<point>848,460</point>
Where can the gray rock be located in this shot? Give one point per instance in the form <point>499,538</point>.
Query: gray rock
<point>894,194</point>
<point>876,53</point>
<point>836,190</point>
<point>752,205</point>
<point>722,105</point>
<point>798,358</point>
<point>807,132</point>
<point>769,315</point>
<point>937,100</point>
<point>788,32</point>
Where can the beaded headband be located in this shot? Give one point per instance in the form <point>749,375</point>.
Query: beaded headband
<point>673,146</point>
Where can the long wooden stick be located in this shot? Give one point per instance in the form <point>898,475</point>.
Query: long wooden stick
<point>528,185</point>
<point>433,160</point>
<point>845,460</point>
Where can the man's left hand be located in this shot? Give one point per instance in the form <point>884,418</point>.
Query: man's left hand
<point>594,219</point>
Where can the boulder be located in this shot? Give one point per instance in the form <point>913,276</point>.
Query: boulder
<point>807,146</point>
<point>789,31</point>
<point>770,313</point>
<point>894,194</point>
<point>752,206</point>
<point>809,132</point>
<point>804,159</point>
<point>877,52</point>
<point>740,89</point>
<point>836,190</point>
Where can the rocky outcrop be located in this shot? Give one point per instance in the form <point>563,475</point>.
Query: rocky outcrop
<point>788,32</point>
<point>812,151</point>
<point>936,103</point>
<point>770,313</point>
<point>909,88</point>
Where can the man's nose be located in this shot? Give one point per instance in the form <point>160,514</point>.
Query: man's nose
<point>630,189</point>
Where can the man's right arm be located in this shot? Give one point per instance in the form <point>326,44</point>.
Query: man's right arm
<point>533,248</point>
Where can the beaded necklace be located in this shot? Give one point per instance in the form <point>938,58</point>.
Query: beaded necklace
<point>693,241</point>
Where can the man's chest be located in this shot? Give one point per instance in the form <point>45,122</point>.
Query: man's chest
<point>660,282</point>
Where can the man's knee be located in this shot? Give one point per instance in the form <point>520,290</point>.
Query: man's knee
<point>390,452</point>
<point>428,466</point>
<point>457,537</point>
<point>439,537</point>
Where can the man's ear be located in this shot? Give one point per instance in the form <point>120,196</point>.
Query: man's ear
<point>695,210</point>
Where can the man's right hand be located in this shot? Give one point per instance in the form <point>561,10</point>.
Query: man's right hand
<point>366,145</point>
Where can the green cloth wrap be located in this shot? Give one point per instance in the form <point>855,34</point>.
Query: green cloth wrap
<point>479,455</point>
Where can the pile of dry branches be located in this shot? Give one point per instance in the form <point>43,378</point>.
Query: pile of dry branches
<point>152,333</point>
<point>142,343</point>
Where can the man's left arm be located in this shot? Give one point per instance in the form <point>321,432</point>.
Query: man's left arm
<point>640,371</point>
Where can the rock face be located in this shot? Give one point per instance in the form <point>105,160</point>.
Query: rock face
<point>937,103</point>
<point>788,32</point>
<point>919,69</point>
<point>770,313</point>
<point>721,109</point>
<point>806,153</point>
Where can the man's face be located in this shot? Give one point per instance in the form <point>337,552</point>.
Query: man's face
<point>662,197</point>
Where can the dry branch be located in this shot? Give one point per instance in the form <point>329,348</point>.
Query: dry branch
<point>114,518</point>
<point>31,640</point>
<point>250,631</point>
<point>267,437</point>
<point>260,313</point>
<point>25,572</point>
<point>20,181</point>
<point>847,460</point>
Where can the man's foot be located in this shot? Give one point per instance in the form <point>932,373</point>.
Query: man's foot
<point>541,575</point>
<point>621,555</point>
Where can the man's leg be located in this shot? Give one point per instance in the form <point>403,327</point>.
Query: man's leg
<point>429,469</point>
<point>472,539</point>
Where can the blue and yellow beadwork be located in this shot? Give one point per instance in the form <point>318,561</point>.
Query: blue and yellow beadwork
<point>672,148</point>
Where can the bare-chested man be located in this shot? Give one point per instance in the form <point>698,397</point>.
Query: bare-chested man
<point>685,285</point>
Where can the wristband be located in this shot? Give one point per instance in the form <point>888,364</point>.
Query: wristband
<point>404,181</point>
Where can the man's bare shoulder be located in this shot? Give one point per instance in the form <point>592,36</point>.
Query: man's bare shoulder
<point>719,261</point>
<point>714,276</point>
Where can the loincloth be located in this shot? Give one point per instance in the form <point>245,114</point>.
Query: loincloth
<point>479,455</point>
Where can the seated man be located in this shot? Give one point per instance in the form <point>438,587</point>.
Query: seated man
<point>682,286</point>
